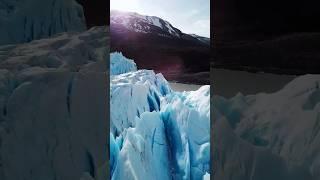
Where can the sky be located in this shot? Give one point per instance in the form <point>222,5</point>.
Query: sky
<point>190,16</point>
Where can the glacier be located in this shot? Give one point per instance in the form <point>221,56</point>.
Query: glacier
<point>120,64</point>
<point>26,20</point>
<point>269,135</point>
<point>53,107</point>
<point>155,132</point>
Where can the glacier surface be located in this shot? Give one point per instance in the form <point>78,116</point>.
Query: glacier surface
<point>53,107</point>
<point>27,20</point>
<point>155,132</point>
<point>120,64</point>
<point>270,136</point>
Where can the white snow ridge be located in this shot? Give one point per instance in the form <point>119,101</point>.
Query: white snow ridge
<point>155,132</point>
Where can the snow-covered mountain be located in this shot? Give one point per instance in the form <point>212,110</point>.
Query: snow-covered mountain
<point>166,49</point>
<point>135,22</point>
<point>26,20</point>
<point>143,24</point>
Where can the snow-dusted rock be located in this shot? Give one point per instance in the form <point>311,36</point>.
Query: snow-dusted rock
<point>26,20</point>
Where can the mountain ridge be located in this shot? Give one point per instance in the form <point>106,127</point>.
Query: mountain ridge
<point>165,48</point>
<point>137,22</point>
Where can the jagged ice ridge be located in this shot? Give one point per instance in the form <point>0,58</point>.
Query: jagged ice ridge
<point>156,132</point>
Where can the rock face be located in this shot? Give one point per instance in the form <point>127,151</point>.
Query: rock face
<point>269,136</point>
<point>25,20</point>
<point>53,120</point>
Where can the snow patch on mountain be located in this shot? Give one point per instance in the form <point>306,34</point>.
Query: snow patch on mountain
<point>157,132</point>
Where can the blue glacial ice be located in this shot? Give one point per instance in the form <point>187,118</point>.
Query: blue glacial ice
<point>278,131</point>
<point>120,64</point>
<point>155,132</point>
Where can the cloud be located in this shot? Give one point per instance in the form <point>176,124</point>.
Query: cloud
<point>203,26</point>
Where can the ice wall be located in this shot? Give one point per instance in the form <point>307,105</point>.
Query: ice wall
<point>120,64</point>
<point>53,120</point>
<point>26,20</point>
<point>271,136</point>
<point>157,133</point>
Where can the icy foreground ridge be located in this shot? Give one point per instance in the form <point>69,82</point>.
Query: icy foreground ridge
<point>119,64</point>
<point>278,131</point>
<point>85,51</point>
<point>26,20</point>
<point>53,108</point>
<point>157,133</point>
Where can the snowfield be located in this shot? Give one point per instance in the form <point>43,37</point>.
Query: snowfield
<point>155,132</point>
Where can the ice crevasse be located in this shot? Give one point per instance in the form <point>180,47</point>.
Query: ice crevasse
<point>155,132</point>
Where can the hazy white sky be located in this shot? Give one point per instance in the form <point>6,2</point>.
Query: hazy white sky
<point>190,16</point>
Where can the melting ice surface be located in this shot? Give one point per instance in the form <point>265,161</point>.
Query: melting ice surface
<point>155,132</point>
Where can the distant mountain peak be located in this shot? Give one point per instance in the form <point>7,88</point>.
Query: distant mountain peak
<point>144,23</point>
<point>129,24</point>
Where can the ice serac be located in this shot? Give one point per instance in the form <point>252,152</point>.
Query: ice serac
<point>26,20</point>
<point>144,154</point>
<point>277,135</point>
<point>158,133</point>
<point>83,51</point>
<point>141,91</point>
<point>120,64</point>
<point>53,118</point>
<point>186,116</point>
